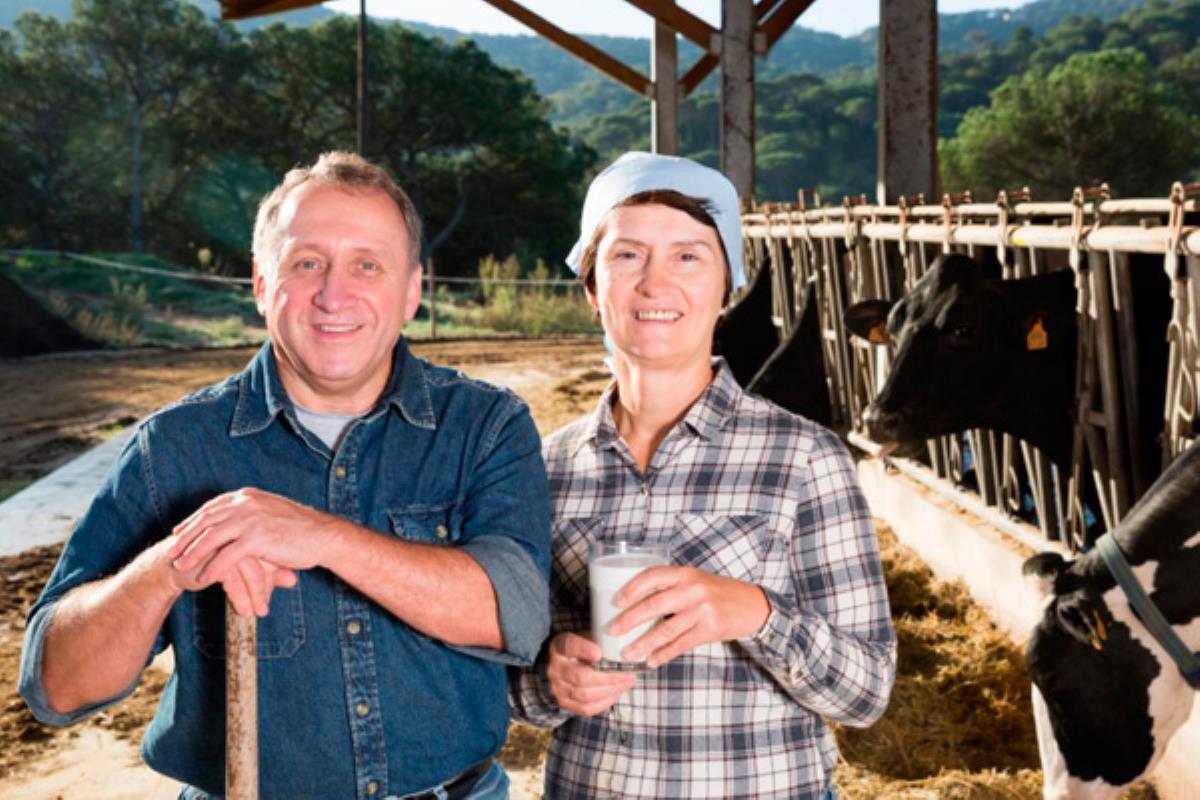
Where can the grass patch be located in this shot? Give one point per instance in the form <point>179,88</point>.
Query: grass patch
<point>125,309</point>
<point>9,488</point>
<point>530,310</point>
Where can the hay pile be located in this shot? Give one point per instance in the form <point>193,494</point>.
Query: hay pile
<point>959,724</point>
<point>962,697</point>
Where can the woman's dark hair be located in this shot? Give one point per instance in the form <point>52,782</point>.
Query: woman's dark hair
<point>694,207</point>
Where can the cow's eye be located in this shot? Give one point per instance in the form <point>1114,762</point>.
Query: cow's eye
<point>960,332</point>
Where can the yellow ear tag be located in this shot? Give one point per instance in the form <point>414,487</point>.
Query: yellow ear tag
<point>879,334</point>
<point>1037,338</point>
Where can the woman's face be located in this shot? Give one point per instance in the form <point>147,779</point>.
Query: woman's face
<point>660,280</point>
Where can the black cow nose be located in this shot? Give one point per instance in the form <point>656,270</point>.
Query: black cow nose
<point>882,426</point>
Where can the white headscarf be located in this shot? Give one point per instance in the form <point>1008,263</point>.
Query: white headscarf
<point>634,173</point>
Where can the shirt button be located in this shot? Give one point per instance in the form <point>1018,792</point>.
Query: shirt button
<point>353,627</point>
<point>645,490</point>
<point>441,531</point>
<point>339,473</point>
<point>372,787</point>
<point>625,738</point>
<point>362,709</point>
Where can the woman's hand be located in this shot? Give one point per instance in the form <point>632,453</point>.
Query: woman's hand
<point>701,608</point>
<point>577,685</point>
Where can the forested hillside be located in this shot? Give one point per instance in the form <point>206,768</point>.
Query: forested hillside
<point>147,124</point>
<point>1089,100</point>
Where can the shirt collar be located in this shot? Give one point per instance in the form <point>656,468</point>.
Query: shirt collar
<point>261,396</point>
<point>709,414</point>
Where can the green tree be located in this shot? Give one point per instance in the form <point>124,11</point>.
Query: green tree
<point>159,62</point>
<point>1098,117</point>
<point>45,111</point>
<point>469,140</point>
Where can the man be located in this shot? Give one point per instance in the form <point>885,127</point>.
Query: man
<point>385,519</point>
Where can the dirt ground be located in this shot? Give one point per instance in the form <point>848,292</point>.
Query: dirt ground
<point>957,727</point>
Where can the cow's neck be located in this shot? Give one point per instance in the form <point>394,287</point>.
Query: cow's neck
<point>1160,538</point>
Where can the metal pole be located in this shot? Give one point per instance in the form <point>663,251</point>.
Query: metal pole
<point>362,78</point>
<point>241,705</point>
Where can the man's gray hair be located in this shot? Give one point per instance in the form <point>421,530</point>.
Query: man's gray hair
<point>347,171</point>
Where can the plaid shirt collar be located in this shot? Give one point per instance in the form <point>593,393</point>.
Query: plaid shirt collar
<point>709,414</point>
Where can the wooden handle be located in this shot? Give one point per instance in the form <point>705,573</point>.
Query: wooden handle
<point>241,706</point>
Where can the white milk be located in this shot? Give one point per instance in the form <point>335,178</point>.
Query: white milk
<point>607,575</point>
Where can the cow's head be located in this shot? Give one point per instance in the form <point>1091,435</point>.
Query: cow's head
<point>961,341</point>
<point>1104,702</point>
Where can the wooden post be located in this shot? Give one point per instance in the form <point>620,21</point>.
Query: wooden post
<point>432,300</point>
<point>241,704</point>
<point>664,108</point>
<point>363,97</point>
<point>737,94</point>
<point>907,99</point>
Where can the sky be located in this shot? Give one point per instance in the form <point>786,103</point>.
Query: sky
<point>618,18</point>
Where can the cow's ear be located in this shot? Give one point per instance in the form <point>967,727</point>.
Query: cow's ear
<point>868,320</point>
<point>1082,614</point>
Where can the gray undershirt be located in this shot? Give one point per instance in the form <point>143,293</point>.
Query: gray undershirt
<point>326,427</point>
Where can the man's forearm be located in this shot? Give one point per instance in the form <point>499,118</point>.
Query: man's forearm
<point>440,591</point>
<point>102,633</point>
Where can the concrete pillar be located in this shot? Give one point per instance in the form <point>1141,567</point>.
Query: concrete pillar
<point>908,94</point>
<point>737,94</point>
<point>664,108</point>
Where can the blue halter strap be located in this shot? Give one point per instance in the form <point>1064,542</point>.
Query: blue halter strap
<point>1151,617</point>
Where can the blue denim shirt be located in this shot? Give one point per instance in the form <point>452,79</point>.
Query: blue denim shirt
<point>352,701</point>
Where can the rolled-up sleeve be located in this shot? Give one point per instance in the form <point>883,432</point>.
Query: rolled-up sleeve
<point>830,644</point>
<point>507,531</point>
<point>121,520</point>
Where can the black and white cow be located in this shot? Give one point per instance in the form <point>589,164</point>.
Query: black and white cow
<point>745,335</point>
<point>790,373</point>
<point>1107,697</point>
<point>975,352</point>
<point>794,376</point>
<point>979,352</point>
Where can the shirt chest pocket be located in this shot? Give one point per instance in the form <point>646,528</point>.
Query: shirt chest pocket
<point>279,635</point>
<point>571,540</point>
<point>440,524</point>
<point>732,546</point>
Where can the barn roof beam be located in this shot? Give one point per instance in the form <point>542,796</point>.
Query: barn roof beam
<point>577,47</point>
<point>773,19</point>
<point>680,19</point>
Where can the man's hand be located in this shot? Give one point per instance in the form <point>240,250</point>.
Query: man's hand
<point>250,541</point>
<point>248,583</point>
<point>701,608</point>
<point>578,686</point>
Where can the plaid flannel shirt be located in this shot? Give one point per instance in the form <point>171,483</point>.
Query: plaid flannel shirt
<point>741,488</point>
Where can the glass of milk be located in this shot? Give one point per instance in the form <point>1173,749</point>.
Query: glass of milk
<point>611,565</point>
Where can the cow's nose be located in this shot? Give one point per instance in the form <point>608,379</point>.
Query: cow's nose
<point>882,426</point>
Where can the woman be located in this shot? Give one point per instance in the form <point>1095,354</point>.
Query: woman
<point>775,608</point>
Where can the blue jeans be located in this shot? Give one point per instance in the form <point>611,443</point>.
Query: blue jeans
<point>493,785</point>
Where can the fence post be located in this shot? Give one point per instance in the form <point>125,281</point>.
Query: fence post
<point>432,301</point>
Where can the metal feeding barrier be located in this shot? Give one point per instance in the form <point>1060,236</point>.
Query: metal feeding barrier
<point>858,251</point>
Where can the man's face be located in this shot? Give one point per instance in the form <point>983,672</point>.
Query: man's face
<point>660,280</point>
<point>338,296</point>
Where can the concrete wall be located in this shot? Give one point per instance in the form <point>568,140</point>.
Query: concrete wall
<point>958,544</point>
